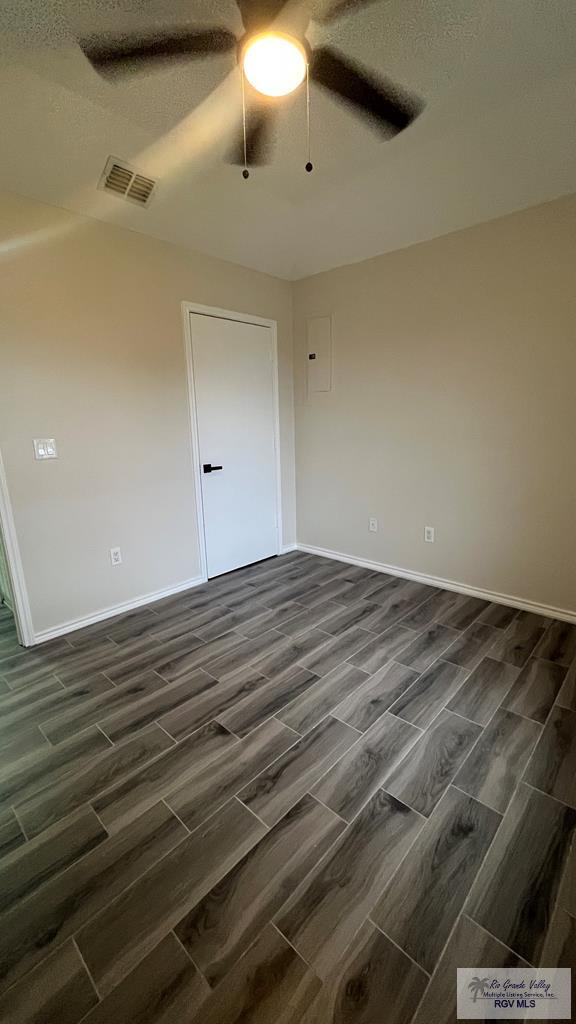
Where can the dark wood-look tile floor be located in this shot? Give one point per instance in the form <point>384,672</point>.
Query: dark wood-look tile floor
<point>302,793</point>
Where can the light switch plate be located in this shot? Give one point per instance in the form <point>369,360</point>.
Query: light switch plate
<point>45,448</point>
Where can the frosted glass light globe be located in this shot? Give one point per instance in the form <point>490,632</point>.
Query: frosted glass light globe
<point>274,64</point>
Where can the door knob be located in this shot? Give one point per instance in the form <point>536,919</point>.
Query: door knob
<point>209,468</point>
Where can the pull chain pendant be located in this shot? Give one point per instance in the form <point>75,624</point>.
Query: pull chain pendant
<point>245,172</point>
<point>309,164</point>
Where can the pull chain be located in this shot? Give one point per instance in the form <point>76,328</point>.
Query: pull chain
<point>245,172</point>
<point>309,165</point>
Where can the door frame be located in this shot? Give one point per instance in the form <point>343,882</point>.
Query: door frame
<point>245,318</point>
<point>21,609</point>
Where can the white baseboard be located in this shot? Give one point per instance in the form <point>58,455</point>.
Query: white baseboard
<point>107,613</point>
<point>437,581</point>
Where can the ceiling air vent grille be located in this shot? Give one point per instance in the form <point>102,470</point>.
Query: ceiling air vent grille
<point>123,180</point>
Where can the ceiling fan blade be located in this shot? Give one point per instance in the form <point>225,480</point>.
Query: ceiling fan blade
<point>124,54</point>
<point>378,100</point>
<point>259,14</point>
<point>259,132</point>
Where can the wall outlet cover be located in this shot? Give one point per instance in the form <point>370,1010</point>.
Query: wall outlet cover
<point>115,556</point>
<point>373,524</point>
<point>429,534</point>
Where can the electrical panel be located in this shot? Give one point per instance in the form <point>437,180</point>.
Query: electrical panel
<point>319,353</point>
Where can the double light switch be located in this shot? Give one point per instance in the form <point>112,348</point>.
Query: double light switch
<point>45,448</point>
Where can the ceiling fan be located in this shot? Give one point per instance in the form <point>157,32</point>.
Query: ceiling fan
<point>273,62</point>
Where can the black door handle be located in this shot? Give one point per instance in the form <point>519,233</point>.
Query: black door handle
<point>209,468</point>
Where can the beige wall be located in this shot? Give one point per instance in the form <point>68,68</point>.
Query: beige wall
<point>92,353</point>
<point>453,405</point>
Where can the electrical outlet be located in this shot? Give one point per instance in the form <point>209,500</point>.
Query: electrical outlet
<point>429,534</point>
<point>115,556</point>
<point>373,524</point>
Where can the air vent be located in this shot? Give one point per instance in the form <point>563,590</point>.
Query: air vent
<point>125,181</point>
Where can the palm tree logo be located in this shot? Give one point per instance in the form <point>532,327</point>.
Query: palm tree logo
<point>477,986</point>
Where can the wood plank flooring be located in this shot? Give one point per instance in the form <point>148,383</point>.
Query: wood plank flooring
<point>302,793</point>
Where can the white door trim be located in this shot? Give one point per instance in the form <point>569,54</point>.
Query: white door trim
<point>227,314</point>
<point>22,614</point>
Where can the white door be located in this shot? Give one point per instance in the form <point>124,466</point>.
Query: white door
<point>233,368</point>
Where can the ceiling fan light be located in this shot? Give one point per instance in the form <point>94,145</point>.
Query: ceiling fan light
<point>274,64</point>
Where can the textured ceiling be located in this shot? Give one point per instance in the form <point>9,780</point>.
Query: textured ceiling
<point>498,132</point>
